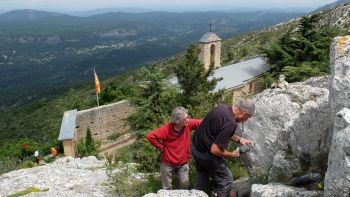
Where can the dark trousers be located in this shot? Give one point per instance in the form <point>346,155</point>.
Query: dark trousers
<point>208,165</point>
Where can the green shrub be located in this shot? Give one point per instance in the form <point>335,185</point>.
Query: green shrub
<point>88,146</point>
<point>147,156</point>
<point>82,151</point>
<point>28,163</point>
<point>124,185</point>
<point>113,137</point>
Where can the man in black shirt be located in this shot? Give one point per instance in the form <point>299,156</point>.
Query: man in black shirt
<point>210,141</point>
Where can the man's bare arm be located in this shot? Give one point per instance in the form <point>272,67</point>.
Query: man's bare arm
<point>216,150</point>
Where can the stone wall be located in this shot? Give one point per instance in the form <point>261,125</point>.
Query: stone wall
<point>104,121</point>
<point>205,54</point>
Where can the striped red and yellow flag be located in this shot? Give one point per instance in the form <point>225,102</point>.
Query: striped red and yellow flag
<point>97,83</point>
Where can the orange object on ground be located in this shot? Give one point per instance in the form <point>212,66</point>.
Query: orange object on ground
<point>53,151</point>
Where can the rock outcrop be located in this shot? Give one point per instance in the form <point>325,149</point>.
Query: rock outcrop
<point>294,121</point>
<point>64,177</point>
<point>280,190</point>
<point>337,178</point>
<point>298,128</point>
<point>177,193</point>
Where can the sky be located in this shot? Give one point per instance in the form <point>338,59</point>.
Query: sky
<point>76,5</point>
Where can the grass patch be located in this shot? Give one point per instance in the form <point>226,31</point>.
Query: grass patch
<point>26,191</point>
<point>113,137</point>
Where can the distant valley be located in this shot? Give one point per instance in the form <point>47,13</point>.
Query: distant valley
<point>44,53</point>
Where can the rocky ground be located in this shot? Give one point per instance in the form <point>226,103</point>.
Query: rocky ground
<point>64,177</point>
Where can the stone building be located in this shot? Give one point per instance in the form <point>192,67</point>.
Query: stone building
<point>104,121</point>
<point>210,50</point>
<point>240,77</point>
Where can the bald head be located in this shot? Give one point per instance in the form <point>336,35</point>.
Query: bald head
<point>246,105</point>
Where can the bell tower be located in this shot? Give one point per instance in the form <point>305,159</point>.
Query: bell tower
<point>210,49</point>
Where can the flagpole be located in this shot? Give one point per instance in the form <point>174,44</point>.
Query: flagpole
<point>98,104</point>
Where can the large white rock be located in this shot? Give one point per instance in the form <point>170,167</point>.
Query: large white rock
<point>242,187</point>
<point>284,167</point>
<point>339,89</point>
<point>64,177</point>
<point>295,119</point>
<point>278,190</point>
<point>337,179</point>
<point>177,193</point>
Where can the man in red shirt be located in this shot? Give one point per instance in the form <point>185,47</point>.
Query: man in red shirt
<point>173,139</point>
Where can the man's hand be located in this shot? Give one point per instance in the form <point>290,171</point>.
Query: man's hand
<point>245,142</point>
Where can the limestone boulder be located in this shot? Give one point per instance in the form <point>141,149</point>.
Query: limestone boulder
<point>337,178</point>
<point>274,109</point>
<point>339,88</point>
<point>177,193</point>
<point>64,177</point>
<point>284,167</point>
<point>294,119</point>
<point>311,134</point>
<point>242,187</point>
<point>279,190</point>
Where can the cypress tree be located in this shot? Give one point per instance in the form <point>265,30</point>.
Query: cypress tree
<point>89,142</point>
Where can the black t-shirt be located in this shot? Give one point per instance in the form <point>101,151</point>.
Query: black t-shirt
<point>217,127</point>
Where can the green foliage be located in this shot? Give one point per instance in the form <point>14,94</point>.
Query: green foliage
<point>307,25</point>
<point>88,146</point>
<point>155,102</point>
<point>125,154</point>
<point>73,101</point>
<point>113,137</point>
<point>89,142</point>
<point>123,182</point>
<point>237,168</point>
<point>301,72</point>
<point>25,192</point>
<point>81,147</point>
<point>118,91</point>
<point>147,156</point>
<point>258,175</point>
<point>13,156</point>
<point>302,54</point>
<point>28,163</point>
<point>265,81</point>
<point>196,94</point>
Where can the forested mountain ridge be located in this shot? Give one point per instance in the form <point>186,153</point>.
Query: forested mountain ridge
<point>42,53</point>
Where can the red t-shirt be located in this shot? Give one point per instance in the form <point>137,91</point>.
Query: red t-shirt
<point>175,147</point>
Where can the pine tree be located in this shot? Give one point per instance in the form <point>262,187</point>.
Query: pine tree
<point>155,102</point>
<point>302,54</point>
<point>197,90</point>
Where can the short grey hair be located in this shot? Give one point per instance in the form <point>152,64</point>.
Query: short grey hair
<point>178,113</point>
<point>246,105</point>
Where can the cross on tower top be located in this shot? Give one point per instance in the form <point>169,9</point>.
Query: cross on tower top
<point>210,26</point>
